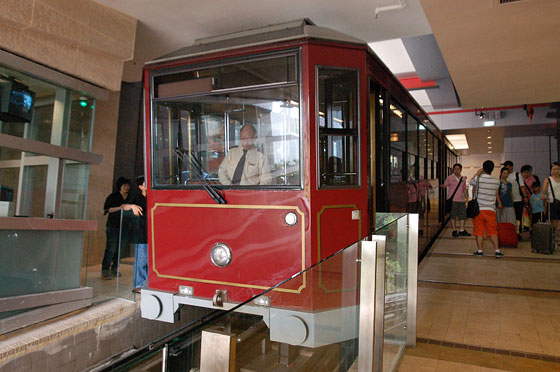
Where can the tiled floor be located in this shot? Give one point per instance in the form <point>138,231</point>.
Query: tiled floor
<point>508,308</point>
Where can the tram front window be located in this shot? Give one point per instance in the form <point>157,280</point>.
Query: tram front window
<point>196,139</point>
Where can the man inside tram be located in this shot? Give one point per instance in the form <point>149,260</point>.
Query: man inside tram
<point>245,164</point>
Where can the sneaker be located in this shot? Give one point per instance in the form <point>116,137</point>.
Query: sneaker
<point>136,290</point>
<point>499,254</point>
<point>106,274</point>
<point>464,233</point>
<point>478,253</point>
<point>114,274</point>
<point>455,233</point>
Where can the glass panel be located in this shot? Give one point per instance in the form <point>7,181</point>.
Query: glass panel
<point>33,191</point>
<point>341,155</point>
<point>430,146</point>
<point>198,139</point>
<point>337,121</point>
<point>397,127</point>
<point>323,323</point>
<point>436,148</point>
<point>37,110</point>
<point>396,163</point>
<point>234,75</point>
<point>412,185</point>
<point>396,291</point>
<point>119,247</point>
<point>412,136</point>
<point>74,190</point>
<point>80,122</point>
<point>27,267</point>
<point>422,140</point>
<point>382,219</point>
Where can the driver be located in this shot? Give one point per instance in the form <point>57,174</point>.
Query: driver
<point>245,165</point>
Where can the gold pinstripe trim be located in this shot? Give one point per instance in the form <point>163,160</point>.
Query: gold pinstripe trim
<point>325,207</point>
<point>227,206</point>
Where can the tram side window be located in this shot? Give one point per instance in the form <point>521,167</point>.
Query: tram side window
<point>192,135</point>
<point>337,120</point>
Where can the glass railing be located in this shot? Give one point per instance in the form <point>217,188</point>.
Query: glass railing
<point>119,282</point>
<point>350,312</point>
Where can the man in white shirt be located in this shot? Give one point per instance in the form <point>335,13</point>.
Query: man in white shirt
<point>245,165</point>
<point>487,194</point>
<point>518,191</point>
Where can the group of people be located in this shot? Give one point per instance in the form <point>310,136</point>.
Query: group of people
<point>122,207</point>
<point>502,200</point>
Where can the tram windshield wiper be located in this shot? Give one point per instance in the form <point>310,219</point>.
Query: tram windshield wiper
<point>187,156</point>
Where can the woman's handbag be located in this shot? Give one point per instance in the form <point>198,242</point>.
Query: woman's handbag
<point>449,202</point>
<point>472,207</point>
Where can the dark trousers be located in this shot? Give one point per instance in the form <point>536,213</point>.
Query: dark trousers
<point>111,255</point>
<point>518,207</point>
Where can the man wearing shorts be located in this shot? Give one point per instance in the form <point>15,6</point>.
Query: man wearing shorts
<point>487,195</point>
<point>456,188</point>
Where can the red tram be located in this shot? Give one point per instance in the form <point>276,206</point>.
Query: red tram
<point>310,98</point>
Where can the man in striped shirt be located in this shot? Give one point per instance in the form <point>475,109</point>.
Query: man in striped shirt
<point>487,195</point>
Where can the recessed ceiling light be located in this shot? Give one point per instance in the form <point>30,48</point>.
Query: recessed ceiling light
<point>489,147</point>
<point>489,137</point>
<point>489,123</point>
<point>489,142</point>
<point>489,152</point>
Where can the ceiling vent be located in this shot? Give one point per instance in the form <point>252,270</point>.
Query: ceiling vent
<point>496,3</point>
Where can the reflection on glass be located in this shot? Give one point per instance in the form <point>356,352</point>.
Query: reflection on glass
<point>412,133</point>
<point>397,127</point>
<point>337,121</point>
<point>33,191</point>
<point>396,291</point>
<point>80,122</point>
<point>314,330</point>
<point>422,140</point>
<point>27,267</point>
<point>74,190</point>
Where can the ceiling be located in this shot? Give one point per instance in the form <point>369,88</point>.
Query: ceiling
<point>477,53</point>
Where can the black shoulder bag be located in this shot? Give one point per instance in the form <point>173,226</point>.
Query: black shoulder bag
<point>472,208</point>
<point>449,202</point>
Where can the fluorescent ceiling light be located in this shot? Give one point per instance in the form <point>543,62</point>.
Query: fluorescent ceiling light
<point>394,55</point>
<point>421,96</point>
<point>459,141</point>
<point>489,123</point>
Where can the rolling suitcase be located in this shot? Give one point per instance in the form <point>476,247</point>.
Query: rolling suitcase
<point>542,238</point>
<point>507,235</point>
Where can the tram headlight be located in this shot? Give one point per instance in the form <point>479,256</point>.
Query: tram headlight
<point>220,255</point>
<point>290,219</point>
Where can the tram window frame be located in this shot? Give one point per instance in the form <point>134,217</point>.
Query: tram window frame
<point>292,183</point>
<point>326,178</point>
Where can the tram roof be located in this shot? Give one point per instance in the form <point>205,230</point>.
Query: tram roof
<point>303,28</point>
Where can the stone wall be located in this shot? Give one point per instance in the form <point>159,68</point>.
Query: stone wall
<point>78,37</point>
<point>89,338</point>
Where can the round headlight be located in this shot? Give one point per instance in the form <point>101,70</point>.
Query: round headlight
<point>290,219</point>
<point>220,255</point>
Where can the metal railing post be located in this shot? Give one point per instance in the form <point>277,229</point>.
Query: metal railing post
<point>412,297</point>
<point>372,305</point>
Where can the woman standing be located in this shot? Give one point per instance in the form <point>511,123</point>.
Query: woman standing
<point>507,212</point>
<point>551,192</point>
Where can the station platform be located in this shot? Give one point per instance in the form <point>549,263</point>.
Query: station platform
<point>484,314</point>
